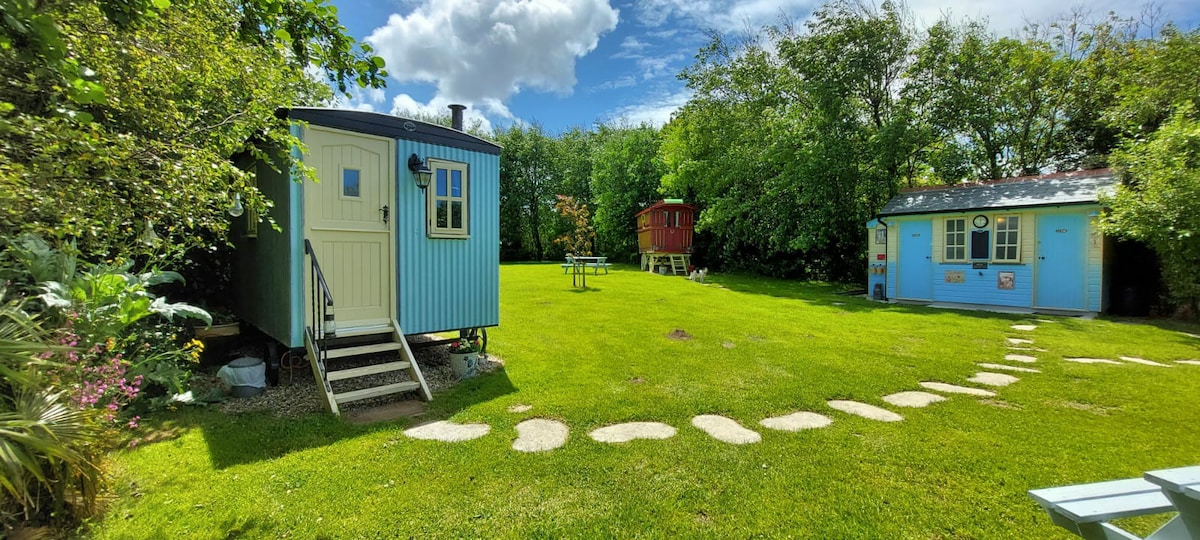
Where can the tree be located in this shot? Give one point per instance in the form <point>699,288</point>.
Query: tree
<point>626,175</point>
<point>1158,110</point>
<point>102,153</point>
<point>527,186</point>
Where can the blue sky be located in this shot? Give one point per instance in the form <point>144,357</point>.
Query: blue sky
<point>566,63</point>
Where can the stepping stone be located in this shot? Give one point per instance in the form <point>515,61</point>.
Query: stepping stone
<point>1189,362</point>
<point>1045,321</point>
<point>1142,361</point>
<point>725,429</point>
<point>955,389</point>
<point>866,411</point>
<point>1008,368</point>
<point>1021,358</point>
<point>1019,341</point>
<point>540,435</point>
<point>913,399</point>
<point>619,433</point>
<point>1091,361</point>
<point>796,421</point>
<point>447,431</point>
<point>520,408</point>
<point>1038,349</point>
<point>993,379</point>
<point>1024,327</point>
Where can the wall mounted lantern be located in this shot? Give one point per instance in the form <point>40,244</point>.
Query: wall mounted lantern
<point>421,172</point>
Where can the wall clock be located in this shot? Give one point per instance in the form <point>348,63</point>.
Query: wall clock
<point>980,221</point>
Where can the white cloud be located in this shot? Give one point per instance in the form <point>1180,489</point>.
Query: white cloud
<point>482,52</point>
<point>406,106</point>
<point>631,47</point>
<point>1005,16</point>
<point>621,82</point>
<point>722,15</point>
<point>361,99</point>
<point>654,110</point>
<point>1008,16</point>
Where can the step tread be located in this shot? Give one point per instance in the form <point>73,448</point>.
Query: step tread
<point>363,349</point>
<point>384,390</point>
<point>363,371</point>
<point>364,330</point>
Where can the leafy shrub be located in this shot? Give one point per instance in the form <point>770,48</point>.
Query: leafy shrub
<point>48,449</point>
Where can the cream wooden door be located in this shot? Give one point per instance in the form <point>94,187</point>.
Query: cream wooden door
<point>347,217</point>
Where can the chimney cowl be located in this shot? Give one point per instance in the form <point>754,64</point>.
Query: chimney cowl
<point>456,116</point>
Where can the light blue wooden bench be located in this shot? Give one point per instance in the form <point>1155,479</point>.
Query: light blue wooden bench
<point>1087,509</point>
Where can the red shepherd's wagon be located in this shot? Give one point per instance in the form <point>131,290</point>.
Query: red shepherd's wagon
<point>665,236</point>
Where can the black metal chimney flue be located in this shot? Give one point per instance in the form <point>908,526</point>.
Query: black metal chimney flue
<point>456,116</point>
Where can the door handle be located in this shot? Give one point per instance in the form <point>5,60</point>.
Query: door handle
<point>385,210</point>
<point>1041,258</point>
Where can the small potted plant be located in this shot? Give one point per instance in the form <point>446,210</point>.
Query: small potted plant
<point>464,357</point>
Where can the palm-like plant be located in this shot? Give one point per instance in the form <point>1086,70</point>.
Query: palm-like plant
<point>47,447</point>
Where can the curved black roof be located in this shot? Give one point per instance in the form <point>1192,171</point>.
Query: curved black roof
<point>395,127</point>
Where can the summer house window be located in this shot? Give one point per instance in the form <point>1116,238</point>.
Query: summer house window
<point>956,239</point>
<point>448,198</point>
<point>1008,238</point>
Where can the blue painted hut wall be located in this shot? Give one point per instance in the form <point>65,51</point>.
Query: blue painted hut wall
<point>443,283</point>
<point>265,285</point>
<point>980,286</point>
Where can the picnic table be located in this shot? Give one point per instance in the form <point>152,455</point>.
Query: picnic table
<point>595,263</point>
<point>1087,509</point>
<point>1182,487</point>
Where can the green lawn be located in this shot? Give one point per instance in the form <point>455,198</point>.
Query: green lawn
<point>958,469</point>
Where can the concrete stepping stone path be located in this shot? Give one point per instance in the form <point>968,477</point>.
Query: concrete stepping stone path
<point>913,399</point>
<point>540,435</point>
<point>1021,358</point>
<point>725,429</point>
<point>796,421</point>
<point>1188,362</point>
<point>1142,361</point>
<point>1024,327</point>
<point>1036,349</point>
<point>993,379</point>
<point>866,411</point>
<point>447,431</point>
<point>1019,341</point>
<point>955,389</point>
<point>1008,368</point>
<point>1092,361</point>
<point>520,408</point>
<point>620,433</point>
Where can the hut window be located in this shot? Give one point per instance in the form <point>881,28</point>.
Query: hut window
<point>1008,238</point>
<point>447,199</point>
<point>956,239</point>
<point>350,184</point>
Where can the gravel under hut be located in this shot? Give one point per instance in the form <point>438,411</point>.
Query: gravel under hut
<point>297,395</point>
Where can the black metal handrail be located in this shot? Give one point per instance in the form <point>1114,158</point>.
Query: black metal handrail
<point>323,324</point>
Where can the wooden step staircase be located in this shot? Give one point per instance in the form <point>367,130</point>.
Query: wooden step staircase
<point>341,365</point>
<point>679,264</point>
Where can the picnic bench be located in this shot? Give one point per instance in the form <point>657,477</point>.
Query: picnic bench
<point>1087,509</point>
<point>595,263</point>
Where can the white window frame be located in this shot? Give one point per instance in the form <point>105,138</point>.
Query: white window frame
<point>432,198</point>
<point>999,243</point>
<point>960,234</point>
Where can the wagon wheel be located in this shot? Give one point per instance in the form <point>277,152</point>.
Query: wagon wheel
<point>470,334</point>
